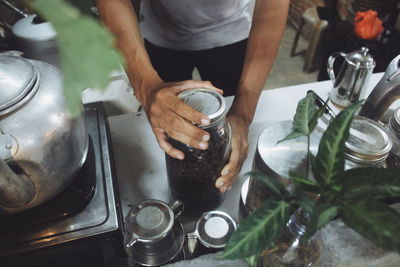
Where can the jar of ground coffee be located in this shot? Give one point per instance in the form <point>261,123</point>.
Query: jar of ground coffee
<point>192,180</point>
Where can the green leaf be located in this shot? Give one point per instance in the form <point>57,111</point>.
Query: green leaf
<point>305,111</point>
<point>292,135</point>
<point>374,220</point>
<point>272,184</point>
<point>259,230</point>
<point>304,183</point>
<point>306,202</point>
<point>330,157</point>
<point>86,49</point>
<point>371,182</point>
<point>252,260</point>
<point>322,214</point>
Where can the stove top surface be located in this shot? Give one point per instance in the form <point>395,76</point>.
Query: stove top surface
<point>88,207</point>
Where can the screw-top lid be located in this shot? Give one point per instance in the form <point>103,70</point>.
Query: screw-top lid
<point>361,58</point>
<point>208,102</point>
<point>17,76</point>
<point>214,229</point>
<point>150,220</point>
<point>368,141</point>
<point>394,122</point>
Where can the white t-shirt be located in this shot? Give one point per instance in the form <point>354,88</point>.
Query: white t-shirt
<point>195,24</point>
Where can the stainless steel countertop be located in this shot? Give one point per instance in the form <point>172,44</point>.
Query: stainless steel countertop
<point>140,163</point>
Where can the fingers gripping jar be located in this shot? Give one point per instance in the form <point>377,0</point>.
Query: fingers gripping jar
<point>192,180</point>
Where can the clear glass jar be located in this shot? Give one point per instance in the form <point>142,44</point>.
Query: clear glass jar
<point>368,144</point>
<point>292,249</point>
<point>192,180</point>
<point>393,130</point>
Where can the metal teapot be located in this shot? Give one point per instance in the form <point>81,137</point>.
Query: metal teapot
<point>354,74</point>
<point>41,146</point>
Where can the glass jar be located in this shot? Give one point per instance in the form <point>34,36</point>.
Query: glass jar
<point>192,180</point>
<point>368,144</point>
<point>393,130</point>
<point>291,249</point>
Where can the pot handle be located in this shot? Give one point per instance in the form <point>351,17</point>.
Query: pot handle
<point>331,62</point>
<point>177,207</point>
<point>131,240</point>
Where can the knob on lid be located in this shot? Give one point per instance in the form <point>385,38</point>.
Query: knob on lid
<point>17,75</point>
<point>361,58</point>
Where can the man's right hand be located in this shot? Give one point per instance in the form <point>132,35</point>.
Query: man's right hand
<point>169,116</point>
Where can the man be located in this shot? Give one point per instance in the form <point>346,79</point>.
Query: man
<point>181,34</point>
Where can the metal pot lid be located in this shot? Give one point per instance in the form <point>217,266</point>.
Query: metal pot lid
<point>149,220</point>
<point>368,141</point>
<point>214,228</point>
<point>206,101</point>
<point>34,29</point>
<point>277,159</point>
<point>17,76</point>
<point>361,58</point>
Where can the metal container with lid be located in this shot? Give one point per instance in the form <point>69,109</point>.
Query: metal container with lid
<point>354,74</point>
<point>153,237</point>
<point>368,144</point>
<point>192,179</point>
<point>213,230</point>
<point>277,159</point>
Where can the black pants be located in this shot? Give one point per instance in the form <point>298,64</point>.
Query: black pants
<point>222,66</point>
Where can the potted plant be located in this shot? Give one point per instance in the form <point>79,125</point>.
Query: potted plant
<point>353,195</point>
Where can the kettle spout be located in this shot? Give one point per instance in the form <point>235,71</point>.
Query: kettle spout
<point>385,92</point>
<point>15,190</point>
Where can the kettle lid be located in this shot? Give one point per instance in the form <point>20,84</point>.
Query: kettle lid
<point>17,76</point>
<point>361,58</point>
<point>34,29</point>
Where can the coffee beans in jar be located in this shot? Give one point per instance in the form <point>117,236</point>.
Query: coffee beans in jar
<point>192,180</point>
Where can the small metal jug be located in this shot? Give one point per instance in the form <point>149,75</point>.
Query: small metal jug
<point>354,74</point>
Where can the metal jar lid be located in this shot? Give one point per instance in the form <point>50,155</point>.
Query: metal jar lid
<point>394,122</point>
<point>361,58</point>
<point>208,102</point>
<point>213,229</point>
<point>17,77</point>
<point>150,220</point>
<point>368,141</point>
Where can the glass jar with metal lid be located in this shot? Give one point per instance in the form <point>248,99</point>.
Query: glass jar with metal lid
<point>368,144</point>
<point>393,130</point>
<point>192,180</point>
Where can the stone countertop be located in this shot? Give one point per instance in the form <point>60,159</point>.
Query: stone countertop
<point>141,172</point>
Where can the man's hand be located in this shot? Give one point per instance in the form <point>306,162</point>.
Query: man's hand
<point>169,116</point>
<point>239,147</point>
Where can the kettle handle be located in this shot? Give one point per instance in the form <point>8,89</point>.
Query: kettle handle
<point>331,62</point>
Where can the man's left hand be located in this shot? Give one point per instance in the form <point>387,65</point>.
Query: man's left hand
<point>239,147</point>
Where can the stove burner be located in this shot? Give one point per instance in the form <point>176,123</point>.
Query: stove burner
<point>69,202</point>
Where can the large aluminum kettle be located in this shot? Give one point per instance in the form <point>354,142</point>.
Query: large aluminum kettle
<point>353,76</point>
<point>41,146</point>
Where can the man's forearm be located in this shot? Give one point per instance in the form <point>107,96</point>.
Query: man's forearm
<point>269,21</point>
<point>120,18</point>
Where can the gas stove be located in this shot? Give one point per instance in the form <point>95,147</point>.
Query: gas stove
<point>83,225</point>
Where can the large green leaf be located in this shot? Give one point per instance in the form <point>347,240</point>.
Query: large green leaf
<point>305,114</point>
<point>86,49</point>
<point>370,182</point>
<point>374,220</point>
<point>259,230</point>
<point>322,214</point>
<point>273,184</point>
<point>330,157</point>
<point>304,183</point>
